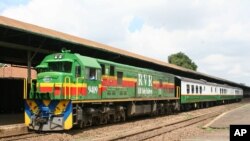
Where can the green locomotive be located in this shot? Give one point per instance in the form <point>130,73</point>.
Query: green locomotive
<point>77,90</point>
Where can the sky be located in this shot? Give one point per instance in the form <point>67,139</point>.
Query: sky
<point>215,34</point>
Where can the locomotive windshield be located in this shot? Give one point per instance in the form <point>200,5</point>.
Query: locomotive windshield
<point>63,66</point>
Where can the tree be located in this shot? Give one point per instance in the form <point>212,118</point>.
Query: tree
<point>181,59</point>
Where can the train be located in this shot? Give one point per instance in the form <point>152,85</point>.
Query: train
<point>75,90</point>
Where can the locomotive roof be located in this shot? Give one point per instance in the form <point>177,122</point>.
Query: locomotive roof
<point>122,65</point>
<point>88,61</point>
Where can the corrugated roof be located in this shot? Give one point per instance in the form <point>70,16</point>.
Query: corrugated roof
<point>4,21</point>
<point>63,36</point>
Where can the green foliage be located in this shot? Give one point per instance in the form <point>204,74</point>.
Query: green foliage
<point>181,59</point>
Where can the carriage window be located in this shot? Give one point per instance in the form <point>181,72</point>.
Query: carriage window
<point>211,89</point>
<point>200,90</point>
<point>196,89</point>
<point>188,88</point>
<point>192,89</point>
<point>119,78</point>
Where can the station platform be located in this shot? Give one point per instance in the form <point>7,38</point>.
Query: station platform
<point>239,115</point>
<point>8,119</point>
<point>218,129</point>
<point>11,123</point>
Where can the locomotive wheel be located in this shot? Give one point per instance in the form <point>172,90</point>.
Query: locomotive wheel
<point>103,119</point>
<point>112,118</point>
<point>123,115</point>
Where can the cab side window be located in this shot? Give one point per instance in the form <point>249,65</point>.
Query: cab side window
<point>91,73</point>
<point>112,71</point>
<point>103,69</point>
<point>78,71</point>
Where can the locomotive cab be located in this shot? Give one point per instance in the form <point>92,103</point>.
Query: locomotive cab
<point>53,74</point>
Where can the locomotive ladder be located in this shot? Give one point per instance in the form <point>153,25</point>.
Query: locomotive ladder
<point>67,84</point>
<point>77,87</point>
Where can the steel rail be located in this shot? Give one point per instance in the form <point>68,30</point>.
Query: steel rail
<point>158,130</point>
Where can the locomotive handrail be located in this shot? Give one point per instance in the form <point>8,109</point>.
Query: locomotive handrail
<point>61,90</point>
<point>65,86</point>
<point>77,88</point>
<point>178,91</point>
<point>24,88</point>
<point>32,88</point>
<point>53,91</point>
<point>38,85</point>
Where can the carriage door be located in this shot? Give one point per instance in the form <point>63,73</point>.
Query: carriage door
<point>178,86</point>
<point>93,80</point>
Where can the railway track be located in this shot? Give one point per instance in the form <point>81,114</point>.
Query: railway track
<point>157,130</point>
<point>21,136</point>
<point>144,132</point>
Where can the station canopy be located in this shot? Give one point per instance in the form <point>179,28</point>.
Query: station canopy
<point>20,42</point>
